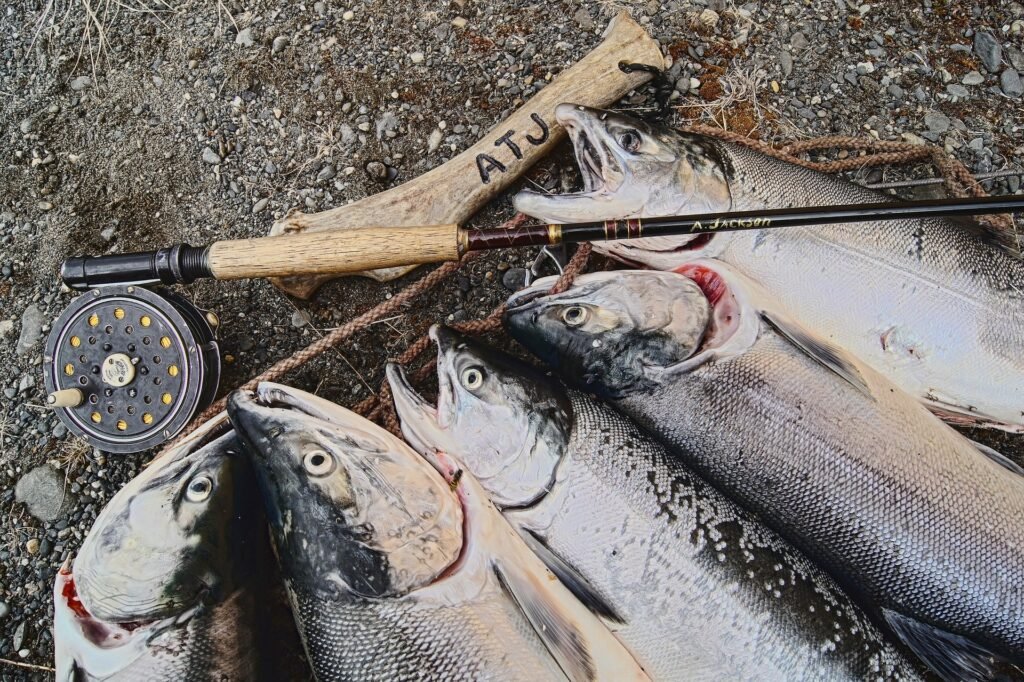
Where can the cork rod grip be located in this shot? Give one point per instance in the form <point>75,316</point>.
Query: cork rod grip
<point>333,253</point>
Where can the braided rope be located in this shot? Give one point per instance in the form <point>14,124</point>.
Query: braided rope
<point>958,179</point>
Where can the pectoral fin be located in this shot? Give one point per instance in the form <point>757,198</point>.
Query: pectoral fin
<point>571,578</point>
<point>953,657</point>
<point>999,458</point>
<point>819,350</point>
<point>584,648</point>
<point>559,634</point>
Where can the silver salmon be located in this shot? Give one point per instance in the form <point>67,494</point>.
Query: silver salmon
<point>398,572</point>
<point>166,584</point>
<point>696,587</point>
<point>936,305</point>
<point>907,514</point>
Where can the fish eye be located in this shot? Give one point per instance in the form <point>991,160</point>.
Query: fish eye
<point>575,315</point>
<point>318,463</point>
<point>199,488</point>
<point>472,378</point>
<point>629,140</point>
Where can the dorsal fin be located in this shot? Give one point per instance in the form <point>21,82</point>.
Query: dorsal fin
<point>821,351</point>
<point>953,657</point>
<point>571,578</point>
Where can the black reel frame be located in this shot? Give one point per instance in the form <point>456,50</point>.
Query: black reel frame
<point>128,368</point>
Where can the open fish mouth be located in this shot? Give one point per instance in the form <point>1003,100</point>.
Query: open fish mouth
<point>588,158</point>
<point>599,168</point>
<point>424,425</point>
<point>104,634</point>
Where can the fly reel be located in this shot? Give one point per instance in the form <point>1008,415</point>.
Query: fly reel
<point>127,368</point>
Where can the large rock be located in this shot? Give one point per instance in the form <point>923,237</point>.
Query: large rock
<point>31,329</point>
<point>42,491</point>
<point>989,51</point>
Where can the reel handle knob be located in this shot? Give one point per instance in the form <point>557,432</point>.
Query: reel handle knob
<point>68,397</point>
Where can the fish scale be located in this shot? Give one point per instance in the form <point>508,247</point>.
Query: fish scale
<point>909,514</point>
<point>480,639</point>
<point>707,588</point>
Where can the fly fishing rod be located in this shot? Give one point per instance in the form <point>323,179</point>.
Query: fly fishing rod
<point>126,367</point>
<point>368,248</point>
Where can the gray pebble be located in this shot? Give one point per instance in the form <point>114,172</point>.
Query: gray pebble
<point>26,126</point>
<point>81,83</point>
<point>937,122</point>
<point>245,38</point>
<point>514,279</point>
<point>1011,84</point>
<point>260,205</point>
<point>31,329</point>
<point>583,20</point>
<point>4,609</point>
<point>300,318</point>
<point>211,157</point>
<point>6,326</point>
<point>958,90</point>
<point>799,41</point>
<point>973,78</point>
<point>19,636</point>
<point>786,62</point>
<point>42,492</point>
<point>279,44</point>
<point>326,173</point>
<point>107,233</point>
<point>1015,57</point>
<point>377,170</point>
<point>988,49</point>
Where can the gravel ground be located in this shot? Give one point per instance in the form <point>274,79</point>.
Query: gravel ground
<point>159,122</point>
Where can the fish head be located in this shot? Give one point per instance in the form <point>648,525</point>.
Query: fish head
<point>612,332</point>
<point>635,169</point>
<point>174,537</point>
<point>505,421</point>
<point>353,511</point>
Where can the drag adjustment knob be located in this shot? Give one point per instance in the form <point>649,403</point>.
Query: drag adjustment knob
<point>118,370</point>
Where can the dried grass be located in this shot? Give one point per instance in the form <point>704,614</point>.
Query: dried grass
<point>91,18</point>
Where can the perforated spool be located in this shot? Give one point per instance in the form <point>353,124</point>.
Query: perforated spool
<point>146,363</point>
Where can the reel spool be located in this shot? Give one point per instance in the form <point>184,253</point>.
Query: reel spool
<point>127,368</point>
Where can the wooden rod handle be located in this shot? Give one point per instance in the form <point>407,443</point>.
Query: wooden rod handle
<point>334,253</point>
